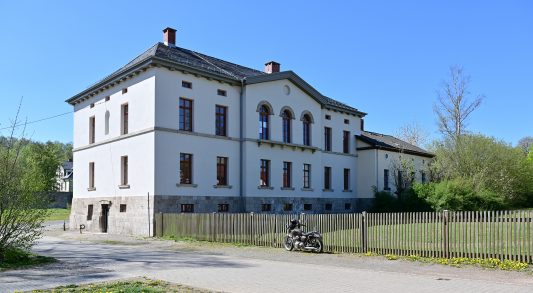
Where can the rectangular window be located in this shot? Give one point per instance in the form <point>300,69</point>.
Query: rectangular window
<point>185,114</point>
<point>122,208</point>
<point>221,114</point>
<point>125,114</point>
<point>124,90</point>
<point>287,207</point>
<point>186,84</point>
<point>308,206</point>
<point>124,170</point>
<point>266,207</point>
<point>187,208</point>
<point>346,142</point>
<point>223,208</point>
<point>347,206</point>
<point>92,129</point>
<point>222,171</point>
<point>423,176</point>
<point>91,175</point>
<point>400,180</point>
<point>107,98</point>
<point>221,92</point>
<point>307,175</point>
<point>386,179</point>
<point>287,174</point>
<point>328,207</point>
<point>327,178</point>
<point>90,212</point>
<point>264,179</point>
<point>327,139</point>
<point>346,121</point>
<point>328,117</point>
<point>346,179</point>
<point>92,105</point>
<point>185,168</point>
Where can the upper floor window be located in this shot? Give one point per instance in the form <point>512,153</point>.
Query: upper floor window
<point>264,177</point>
<point>286,118</point>
<point>346,121</point>
<point>186,84</point>
<point>221,120</point>
<point>91,175</point>
<point>92,129</point>
<point>185,168</point>
<point>124,90</point>
<point>222,171</point>
<point>346,179</point>
<point>125,114</point>
<point>328,117</point>
<point>346,142</point>
<point>221,92</point>
<point>185,114</point>
<point>327,139</point>
<point>264,131</point>
<point>287,174</point>
<point>306,120</point>
<point>107,117</point>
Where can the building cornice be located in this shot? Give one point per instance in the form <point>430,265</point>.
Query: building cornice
<point>397,150</point>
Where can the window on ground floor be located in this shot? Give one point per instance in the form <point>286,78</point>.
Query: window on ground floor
<point>223,208</point>
<point>187,208</point>
<point>89,212</point>
<point>308,206</point>
<point>266,207</point>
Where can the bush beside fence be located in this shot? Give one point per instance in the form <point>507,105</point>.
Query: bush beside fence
<point>505,235</point>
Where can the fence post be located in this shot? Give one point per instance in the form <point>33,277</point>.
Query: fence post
<point>364,235</point>
<point>446,233</point>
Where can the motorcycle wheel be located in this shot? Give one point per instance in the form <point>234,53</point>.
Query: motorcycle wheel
<point>319,245</point>
<point>288,243</point>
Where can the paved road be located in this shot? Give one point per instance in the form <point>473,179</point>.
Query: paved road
<point>248,269</point>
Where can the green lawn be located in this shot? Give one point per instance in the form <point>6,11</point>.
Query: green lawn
<point>58,215</point>
<point>18,258</point>
<point>131,286</point>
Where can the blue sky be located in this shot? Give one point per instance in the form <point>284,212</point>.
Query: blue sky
<point>386,58</point>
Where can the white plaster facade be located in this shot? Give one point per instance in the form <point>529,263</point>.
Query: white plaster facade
<point>152,88</point>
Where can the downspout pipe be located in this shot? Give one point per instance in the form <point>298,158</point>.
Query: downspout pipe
<point>241,147</point>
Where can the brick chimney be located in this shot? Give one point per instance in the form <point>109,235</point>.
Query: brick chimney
<point>169,36</point>
<point>272,67</point>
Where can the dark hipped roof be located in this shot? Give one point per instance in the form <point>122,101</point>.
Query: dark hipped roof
<point>161,53</point>
<point>391,143</point>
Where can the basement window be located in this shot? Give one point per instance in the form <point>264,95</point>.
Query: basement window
<point>89,212</point>
<point>122,208</point>
<point>308,206</point>
<point>187,208</point>
<point>347,206</point>
<point>223,208</point>
<point>329,207</point>
<point>124,90</point>
<point>221,92</point>
<point>186,84</point>
<point>287,207</point>
<point>266,207</point>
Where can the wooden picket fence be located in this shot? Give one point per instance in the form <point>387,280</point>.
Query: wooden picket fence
<point>504,235</point>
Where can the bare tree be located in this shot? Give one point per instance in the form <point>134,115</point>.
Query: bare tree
<point>413,133</point>
<point>23,200</point>
<point>525,144</point>
<point>454,107</point>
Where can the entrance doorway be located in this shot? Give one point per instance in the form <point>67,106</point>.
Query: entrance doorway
<point>104,215</point>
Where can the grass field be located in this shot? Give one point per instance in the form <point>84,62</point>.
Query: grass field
<point>131,286</point>
<point>58,215</point>
<point>17,258</point>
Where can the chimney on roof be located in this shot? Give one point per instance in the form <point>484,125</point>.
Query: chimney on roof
<point>272,67</point>
<point>169,36</point>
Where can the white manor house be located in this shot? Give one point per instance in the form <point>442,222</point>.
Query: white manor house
<point>179,131</point>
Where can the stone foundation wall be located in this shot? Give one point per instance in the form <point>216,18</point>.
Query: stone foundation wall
<point>136,220</point>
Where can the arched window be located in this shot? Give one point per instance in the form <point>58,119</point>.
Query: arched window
<point>306,121</point>
<point>264,131</point>
<point>286,116</point>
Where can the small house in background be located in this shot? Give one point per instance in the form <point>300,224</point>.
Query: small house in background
<point>64,176</point>
<point>387,163</point>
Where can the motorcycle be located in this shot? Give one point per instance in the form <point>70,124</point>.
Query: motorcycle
<point>298,239</point>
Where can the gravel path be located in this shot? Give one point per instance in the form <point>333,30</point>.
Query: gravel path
<point>101,257</point>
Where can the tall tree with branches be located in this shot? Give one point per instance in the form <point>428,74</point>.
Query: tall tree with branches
<point>454,106</point>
